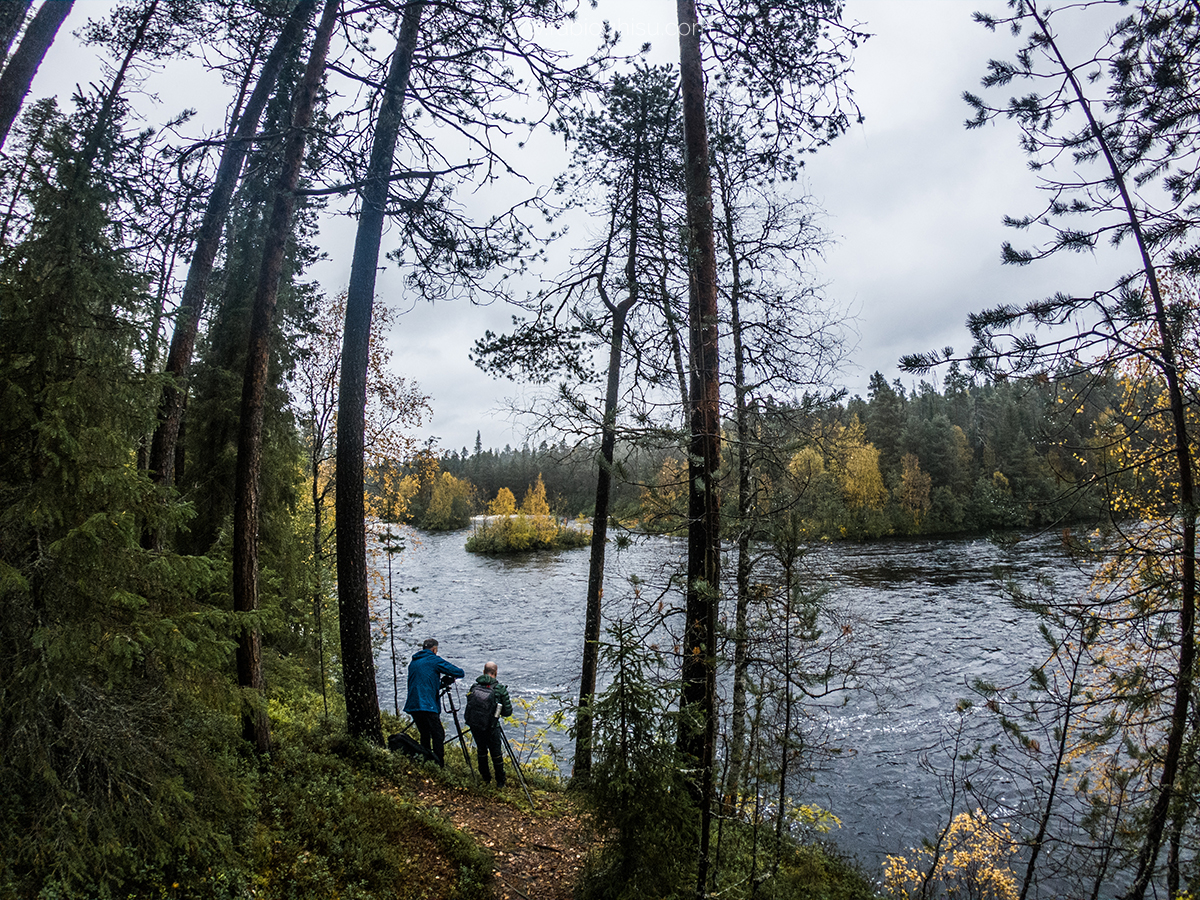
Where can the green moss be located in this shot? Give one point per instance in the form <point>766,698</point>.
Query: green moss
<point>336,821</point>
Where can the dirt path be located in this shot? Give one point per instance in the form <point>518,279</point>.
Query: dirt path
<point>538,854</point>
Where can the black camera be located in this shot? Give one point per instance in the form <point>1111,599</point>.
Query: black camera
<point>447,680</point>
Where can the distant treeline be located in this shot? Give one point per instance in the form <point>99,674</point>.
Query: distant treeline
<point>967,457</point>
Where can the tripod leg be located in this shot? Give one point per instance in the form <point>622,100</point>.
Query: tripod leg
<point>516,765</point>
<point>457,727</point>
<point>461,740</point>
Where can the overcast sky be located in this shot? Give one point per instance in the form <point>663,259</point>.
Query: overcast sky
<point>913,200</point>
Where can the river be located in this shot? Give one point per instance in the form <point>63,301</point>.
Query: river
<point>934,610</point>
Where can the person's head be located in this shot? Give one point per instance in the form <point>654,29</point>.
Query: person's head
<point>489,668</point>
<point>430,644</point>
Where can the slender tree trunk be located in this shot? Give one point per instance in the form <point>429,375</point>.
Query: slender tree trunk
<point>786,737</point>
<point>39,120</point>
<point>697,736</point>
<point>358,663</point>
<point>23,65</point>
<point>595,588</point>
<point>12,16</point>
<point>249,457</point>
<point>608,440</point>
<point>172,241</point>
<point>104,116</point>
<point>664,297</point>
<point>208,241</point>
<point>1177,731</point>
<point>318,544</point>
<point>737,727</point>
<point>235,108</point>
<point>676,347</point>
<point>1059,763</point>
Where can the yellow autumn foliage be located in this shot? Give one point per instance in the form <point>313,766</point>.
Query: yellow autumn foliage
<point>508,529</point>
<point>972,860</point>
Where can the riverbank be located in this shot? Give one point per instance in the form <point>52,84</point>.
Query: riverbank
<point>938,610</point>
<point>341,818</point>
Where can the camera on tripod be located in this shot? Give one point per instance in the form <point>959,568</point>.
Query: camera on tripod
<point>447,680</point>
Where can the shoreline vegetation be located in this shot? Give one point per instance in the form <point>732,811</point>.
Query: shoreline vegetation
<point>508,528</point>
<point>348,819</point>
<point>518,532</point>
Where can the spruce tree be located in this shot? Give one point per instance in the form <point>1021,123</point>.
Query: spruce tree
<point>102,643</point>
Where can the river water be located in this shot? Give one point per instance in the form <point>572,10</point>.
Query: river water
<point>934,612</point>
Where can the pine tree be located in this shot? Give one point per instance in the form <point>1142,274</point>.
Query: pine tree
<point>1121,122</point>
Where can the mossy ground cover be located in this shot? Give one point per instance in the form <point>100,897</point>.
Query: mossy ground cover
<point>336,818</point>
<point>339,821</point>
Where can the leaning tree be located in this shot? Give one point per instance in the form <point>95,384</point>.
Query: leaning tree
<point>1112,135</point>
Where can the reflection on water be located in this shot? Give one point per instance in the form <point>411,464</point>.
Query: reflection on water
<point>936,607</point>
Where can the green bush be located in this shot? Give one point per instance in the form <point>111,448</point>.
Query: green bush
<point>518,533</point>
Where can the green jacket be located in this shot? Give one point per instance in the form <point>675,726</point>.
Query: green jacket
<point>500,692</point>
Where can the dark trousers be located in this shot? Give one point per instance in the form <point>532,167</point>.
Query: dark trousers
<point>433,735</point>
<point>488,742</point>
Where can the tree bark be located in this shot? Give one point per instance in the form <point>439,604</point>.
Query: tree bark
<point>697,735</point>
<point>358,662</point>
<point>608,441</point>
<point>18,74</point>
<point>12,16</point>
<point>208,241</point>
<point>249,457</point>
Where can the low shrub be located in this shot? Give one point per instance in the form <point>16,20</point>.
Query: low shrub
<point>519,533</point>
<point>328,829</point>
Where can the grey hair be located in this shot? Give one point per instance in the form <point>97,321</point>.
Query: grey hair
<point>429,643</point>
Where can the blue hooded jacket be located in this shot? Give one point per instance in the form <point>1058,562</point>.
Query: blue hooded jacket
<point>424,673</point>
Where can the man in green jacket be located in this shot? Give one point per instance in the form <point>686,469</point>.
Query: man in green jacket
<point>487,701</point>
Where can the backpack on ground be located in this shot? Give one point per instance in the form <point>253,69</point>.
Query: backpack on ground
<point>481,706</point>
<point>402,743</point>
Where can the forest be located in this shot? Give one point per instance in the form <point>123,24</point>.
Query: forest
<point>199,442</point>
<point>976,456</point>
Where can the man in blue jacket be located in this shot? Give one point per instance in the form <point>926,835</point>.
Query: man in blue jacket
<point>424,680</point>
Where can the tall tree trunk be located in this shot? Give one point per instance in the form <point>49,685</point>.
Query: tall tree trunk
<point>697,736</point>
<point>1177,732</point>
<point>18,74</point>
<point>358,662</point>
<point>12,16</point>
<point>608,440</point>
<point>208,241</point>
<point>249,457</point>
<point>737,727</point>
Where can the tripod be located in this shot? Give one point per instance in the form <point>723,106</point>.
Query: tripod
<point>516,764</point>
<point>447,681</point>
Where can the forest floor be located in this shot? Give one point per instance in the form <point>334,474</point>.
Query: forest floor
<point>537,853</point>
